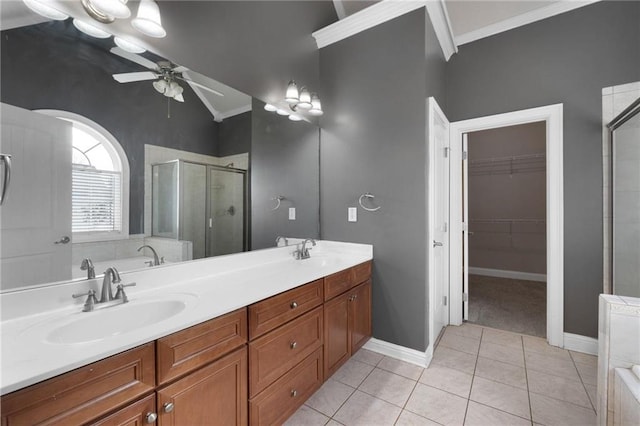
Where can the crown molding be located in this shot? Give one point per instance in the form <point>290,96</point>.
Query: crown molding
<point>369,17</point>
<point>442,26</point>
<point>231,113</point>
<point>523,19</point>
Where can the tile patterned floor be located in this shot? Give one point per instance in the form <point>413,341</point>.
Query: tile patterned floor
<point>478,376</point>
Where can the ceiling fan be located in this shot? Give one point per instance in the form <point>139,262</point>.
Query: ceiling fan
<point>165,74</point>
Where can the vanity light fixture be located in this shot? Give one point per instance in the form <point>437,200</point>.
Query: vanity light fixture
<point>303,99</point>
<point>148,20</point>
<point>115,8</point>
<point>270,108</point>
<point>281,111</point>
<point>90,30</point>
<point>42,7</point>
<point>127,45</point>
<point>295,117</point>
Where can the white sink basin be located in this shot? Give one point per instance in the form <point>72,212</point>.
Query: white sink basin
<point>85,327</point>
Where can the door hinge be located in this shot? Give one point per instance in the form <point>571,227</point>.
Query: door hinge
<point>446,151</point>
<point>464,155</point>
<point>444,300</point>
<point>446,227</point>
<point>464,227</point>
<point>465,297</point>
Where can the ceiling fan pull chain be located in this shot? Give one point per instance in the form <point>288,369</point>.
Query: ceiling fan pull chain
<point>168,107</point>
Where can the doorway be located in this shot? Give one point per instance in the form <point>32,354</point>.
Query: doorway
<point>506,209</point>
<point>461,227</point>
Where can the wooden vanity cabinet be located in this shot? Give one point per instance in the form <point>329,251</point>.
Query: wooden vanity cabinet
<point>347,316</point>
<point>139,413</point>
<point>84,394</point>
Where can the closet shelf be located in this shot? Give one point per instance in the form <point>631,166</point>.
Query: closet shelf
<point>528,163</point>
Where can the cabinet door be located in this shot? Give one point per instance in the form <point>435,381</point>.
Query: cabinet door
<point>139,413</point>
<point>360,315</point>
<point>214,395</point>
<point>336,333</point>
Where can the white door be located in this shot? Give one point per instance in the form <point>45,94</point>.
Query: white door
<point>438,219</point>
<point>36,213</point>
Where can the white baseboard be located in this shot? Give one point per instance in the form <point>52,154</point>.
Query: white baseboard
<point>578,343</point>
<point>423,359</point>
<point>516,275</point>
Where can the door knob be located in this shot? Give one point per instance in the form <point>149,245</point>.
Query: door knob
<point>63,240</point>
<point>437,243</point>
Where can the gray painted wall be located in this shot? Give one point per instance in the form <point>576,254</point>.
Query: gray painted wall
<point>565,59</point>
<point>253,46</point>
<point>373,139</point>
<point>47,66</point>
<point>234,135</point>
<point>285,160</point>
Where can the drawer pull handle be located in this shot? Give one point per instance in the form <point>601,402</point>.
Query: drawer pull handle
<point>294,345</point>
<point>151,417</point>
<point>168,407</point>
<point>294,393</point>
<point>294,305</point>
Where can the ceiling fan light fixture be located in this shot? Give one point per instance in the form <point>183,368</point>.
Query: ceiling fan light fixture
<point>116,8</point>
<point>179,97</point>
<point>42,7</point>
<point>128,46</point>
<point>148,20</point>
<point>160,85</point>
<point>90,30</point>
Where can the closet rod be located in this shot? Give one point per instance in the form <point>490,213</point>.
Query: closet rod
<point>511,158</point>
<point>537,221</point>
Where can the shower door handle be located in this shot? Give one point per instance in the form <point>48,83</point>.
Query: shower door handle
<point>6,159</point>
<point>210,222</point>
<point>437,243</point>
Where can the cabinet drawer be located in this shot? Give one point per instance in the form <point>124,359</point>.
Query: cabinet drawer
<point>285,396</point>
<point>84,394</point>
<point>271,313</point>
<point>186,350</point>
<point>131,415</point>
<point>342,281</point>
<point>275,353</point>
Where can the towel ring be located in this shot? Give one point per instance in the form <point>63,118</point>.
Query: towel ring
<point>278,200</point>
<point>371,196</point>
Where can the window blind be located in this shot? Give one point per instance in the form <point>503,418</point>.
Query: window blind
<point>96,200</point>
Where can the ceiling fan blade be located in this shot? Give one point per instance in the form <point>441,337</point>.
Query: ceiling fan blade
<point>180,68</point>
<point>129,77</point>
<point>201,86</point>
<point>134,58</point>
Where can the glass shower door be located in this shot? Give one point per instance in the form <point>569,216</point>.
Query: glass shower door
<point>626,205</point>
<point>226,227</point>
<point>164,220</point>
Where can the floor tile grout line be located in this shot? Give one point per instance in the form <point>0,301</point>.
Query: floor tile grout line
<point>354,390</point>
<point>410,395</point>
<point>473,378</point>
<point>583,384</point>
<point>526,379</point>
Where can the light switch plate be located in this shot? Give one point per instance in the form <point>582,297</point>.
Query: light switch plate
<point>353,214</point>
<point>292,213</point>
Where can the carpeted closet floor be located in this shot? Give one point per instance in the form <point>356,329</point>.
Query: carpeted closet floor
<point>507,304</point>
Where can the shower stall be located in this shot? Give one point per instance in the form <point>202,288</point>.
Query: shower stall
<point>201,203</point>
<point>624,136</point>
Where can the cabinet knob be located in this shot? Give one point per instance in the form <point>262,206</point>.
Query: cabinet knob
<point>294,393</point>
<point>294,345</point>
<point>151,417</point>
<point>168,407</point>
<point>294,305</point>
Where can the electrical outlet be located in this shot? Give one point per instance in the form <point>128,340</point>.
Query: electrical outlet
<point>292,213</point>
<point>353,214</point>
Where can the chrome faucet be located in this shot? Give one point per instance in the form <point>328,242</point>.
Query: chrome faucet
<point>280,237</point>
<point>303,253</point>
<point>111,276</point>
<point>87,265</point>
<point>156,260</point>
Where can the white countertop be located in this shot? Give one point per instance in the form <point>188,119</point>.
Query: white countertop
<point>210,288</point>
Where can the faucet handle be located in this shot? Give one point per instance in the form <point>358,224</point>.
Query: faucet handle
<point>120,294</point>
<point>91,299</point>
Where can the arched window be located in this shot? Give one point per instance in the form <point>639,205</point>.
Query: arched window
<point>100,181</point>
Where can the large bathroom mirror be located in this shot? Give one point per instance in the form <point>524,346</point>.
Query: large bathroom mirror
<point>207,174</point>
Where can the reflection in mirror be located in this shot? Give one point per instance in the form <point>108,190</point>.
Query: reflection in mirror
<point>220,142</point>
<point>625,163</point>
